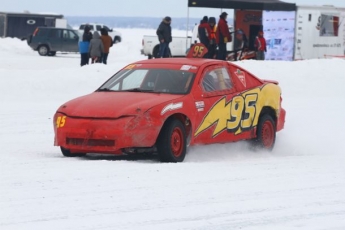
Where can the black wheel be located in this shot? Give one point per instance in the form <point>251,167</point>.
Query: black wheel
<point>52,53</point>
<point>117,39</point>
<point>171,143</point>
<point>155,52</point>
<point>149,56</point>
<point>67,153</point>
<point>266,133</point>
<point>43,50</point>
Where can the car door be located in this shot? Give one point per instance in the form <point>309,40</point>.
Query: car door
<point>54,39</point>
<point>218,116</point>
<point>69,41</point>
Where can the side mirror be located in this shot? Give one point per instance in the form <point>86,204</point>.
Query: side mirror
<point>110,30</point>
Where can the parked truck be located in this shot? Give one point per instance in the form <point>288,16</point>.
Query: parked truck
<point>178,47</point>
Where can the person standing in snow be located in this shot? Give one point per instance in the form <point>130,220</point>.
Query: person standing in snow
<point>204,33</point>
<point>84,46</point>
<point>260,46</point>
<point>164,36</point>
<point>107,43</point>
<point>96,48</point>
<point>223,36</point>
<point>213,46</point>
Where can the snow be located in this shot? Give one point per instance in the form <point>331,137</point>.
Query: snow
<point>299,185</point>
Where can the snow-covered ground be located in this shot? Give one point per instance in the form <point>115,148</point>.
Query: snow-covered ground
<point>300,185</point>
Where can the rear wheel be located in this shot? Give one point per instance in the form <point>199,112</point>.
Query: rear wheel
<point>155,52</point>
<point>68,153</point>
<point>171,142</point>
<point>117,39</point>
<point>43,50</point>
<point>266,133</point>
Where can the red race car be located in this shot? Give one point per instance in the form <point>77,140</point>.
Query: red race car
<point>164,105</point>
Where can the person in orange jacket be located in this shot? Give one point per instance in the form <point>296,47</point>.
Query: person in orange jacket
<point>213,46</point>
<point>260,46</point>
<point>222,36</point>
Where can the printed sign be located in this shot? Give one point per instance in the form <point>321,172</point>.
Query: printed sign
<point>279,32</point>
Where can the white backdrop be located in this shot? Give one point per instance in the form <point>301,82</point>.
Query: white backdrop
<point>279,31</point>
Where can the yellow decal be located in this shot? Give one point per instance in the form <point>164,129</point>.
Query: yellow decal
<point>130,66</point>
<point>60,121</point>
<point>198,50</point>
<point>242,112</point>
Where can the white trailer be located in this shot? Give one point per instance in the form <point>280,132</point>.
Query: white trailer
<point>320,32</point>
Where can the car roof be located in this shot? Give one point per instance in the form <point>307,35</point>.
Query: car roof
<point>182,61</point>
<point>53,28</point>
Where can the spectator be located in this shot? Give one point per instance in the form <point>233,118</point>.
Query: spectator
<point>164,37</point>
<point>84,46</point>
<point>260,46</point>
<point>222,36</point>
<point>107,43</point>
<point>204,32</point>
<point>96,48</point>
<point>212,47</point>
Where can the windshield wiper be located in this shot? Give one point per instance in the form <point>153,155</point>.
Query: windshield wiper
<point>138,90</point>
<point>104,90</point>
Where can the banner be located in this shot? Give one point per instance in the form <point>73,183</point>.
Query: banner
<point>279,32</point>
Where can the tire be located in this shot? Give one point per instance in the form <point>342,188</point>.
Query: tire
<point>171,142</point>
<point>52,53</point>
<point>155,52</point>
<point>149,56</point>
<point>117,39</point>
<point>67,153</point>
<point>266,133</point>
<point>43,50</point>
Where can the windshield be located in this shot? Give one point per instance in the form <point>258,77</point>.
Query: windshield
<point>150,80</point>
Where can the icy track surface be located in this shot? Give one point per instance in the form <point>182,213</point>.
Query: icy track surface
<point>300,185</point>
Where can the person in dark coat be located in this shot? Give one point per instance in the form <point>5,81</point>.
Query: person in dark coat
<point>84,46</point>
<point>204,32</point>
<point>223,36</point>
<point>164,36</point>
<point>213,46</point>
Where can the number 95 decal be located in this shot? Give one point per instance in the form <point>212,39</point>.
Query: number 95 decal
<point>235,116</point>
<point>60,121</point>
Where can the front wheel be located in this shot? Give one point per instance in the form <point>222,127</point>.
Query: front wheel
<point>171,143</point>
<point>266,133</point>
<point>68,153</point>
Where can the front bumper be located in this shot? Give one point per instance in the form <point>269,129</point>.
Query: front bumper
<point>90,135</point>
<point>281,119</point>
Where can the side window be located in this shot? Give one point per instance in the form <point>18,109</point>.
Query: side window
<point>55,33</point>
<point>42,32</point>
<point>216,80</point>
<point>65,34</point>
<point>328,25</point>
<point>106,28</point>
<point>98,27</point>
<point>71,34</point>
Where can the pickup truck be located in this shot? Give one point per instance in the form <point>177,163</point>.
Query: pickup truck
<point>178,47</point>
<point>117,37</point>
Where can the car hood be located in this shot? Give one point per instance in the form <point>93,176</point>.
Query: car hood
<point>114,104</point>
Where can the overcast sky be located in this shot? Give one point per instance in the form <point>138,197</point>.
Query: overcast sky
<point>131,8</point>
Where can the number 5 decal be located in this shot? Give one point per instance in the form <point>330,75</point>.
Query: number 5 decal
<point>250,110</point>
<point>60,121</point>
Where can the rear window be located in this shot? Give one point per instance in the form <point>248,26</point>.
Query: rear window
<point>42,32</point>
<point>82,27</point>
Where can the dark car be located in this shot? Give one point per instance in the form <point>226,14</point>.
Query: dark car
<point>49,40</point>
